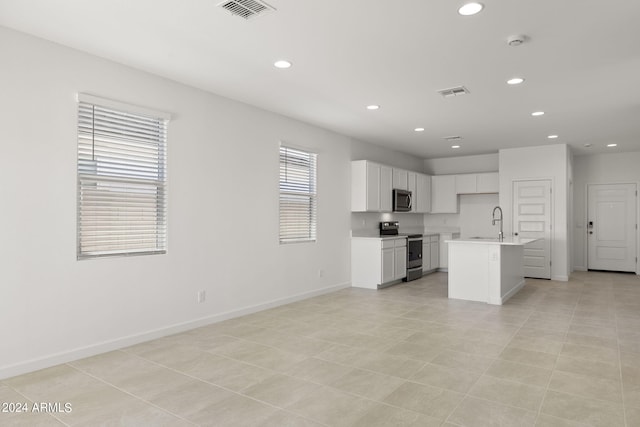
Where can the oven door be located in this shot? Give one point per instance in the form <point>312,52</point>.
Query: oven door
<point>414,252</point>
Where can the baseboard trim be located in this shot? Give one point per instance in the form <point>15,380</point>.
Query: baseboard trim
<point>580,268</point>
<point>512,292</point>
<point>560,278</point>
<point>116,344</point>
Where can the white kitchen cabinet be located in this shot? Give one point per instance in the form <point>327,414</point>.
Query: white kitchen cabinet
<point>400,179</point>
<point>444,198</point>
<point>488,182</point>
<point>444,249</point>
<point>423,193</point>
<point>386,189</point>
<point>435,252</point>
<point>376,262</point>
<point>388,265</point>
<point>370,187</point>
<point>466,183</point>
<point>400,258</point>
<point>430,253</point>
<point>411,186</point>
<point>426,255</point>
<point>477,183</point>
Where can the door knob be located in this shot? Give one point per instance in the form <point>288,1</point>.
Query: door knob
<point>515,234</point>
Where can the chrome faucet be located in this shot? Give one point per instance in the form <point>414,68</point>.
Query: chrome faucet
<point>494,219</point>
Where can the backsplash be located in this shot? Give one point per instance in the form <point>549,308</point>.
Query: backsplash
<point>369,221</point>
<point>473,219</point>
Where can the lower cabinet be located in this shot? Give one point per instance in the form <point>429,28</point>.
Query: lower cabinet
<point>388,265</point>
<point>400,261</point>
<point>430,253</point>
<point>376,261</point>
<point>435,252</point>
<point>444,249</point>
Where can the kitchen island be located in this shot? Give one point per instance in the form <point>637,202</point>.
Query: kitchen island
<point>486,270</point>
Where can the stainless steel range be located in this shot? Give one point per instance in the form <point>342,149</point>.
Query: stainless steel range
<point>414,256</point>
<point>414,248</point>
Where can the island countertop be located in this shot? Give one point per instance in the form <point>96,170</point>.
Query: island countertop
<point>513,241</point>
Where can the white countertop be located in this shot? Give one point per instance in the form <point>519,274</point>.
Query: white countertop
<point>517,241</point>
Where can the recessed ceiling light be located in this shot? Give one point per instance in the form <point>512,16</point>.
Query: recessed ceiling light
<point>470,9</point>
<point>455,146</point>
<point>537,113</point>
<point>515,81</point>
<point>612,145</point>
<point>552,136</point>
<point>282,64</point>
<point>419,129</point>
<point>372,107</point>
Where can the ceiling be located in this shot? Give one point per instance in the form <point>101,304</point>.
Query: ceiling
<point>581,63</point>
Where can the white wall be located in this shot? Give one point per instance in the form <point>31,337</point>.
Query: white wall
<point>613,168</point>
<point>542,162</point>
<point>463,164</point>
<point>223,212</point>
<point>365,151</point>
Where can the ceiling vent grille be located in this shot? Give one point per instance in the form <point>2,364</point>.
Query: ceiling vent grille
<point>246,9</point>
<point>452,138</point>
<point>453,91</point>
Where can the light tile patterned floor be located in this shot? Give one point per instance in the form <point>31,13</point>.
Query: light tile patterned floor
<point>557,354</point>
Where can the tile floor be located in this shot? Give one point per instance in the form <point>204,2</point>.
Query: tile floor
<point>557,354</point>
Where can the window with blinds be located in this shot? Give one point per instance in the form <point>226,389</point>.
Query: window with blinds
<point>122,174</point>
<point>297,195</point>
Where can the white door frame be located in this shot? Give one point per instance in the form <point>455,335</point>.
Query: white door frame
<point>585,251</point>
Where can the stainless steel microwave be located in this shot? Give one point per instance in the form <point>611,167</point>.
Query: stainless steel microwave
<point>401,200</point>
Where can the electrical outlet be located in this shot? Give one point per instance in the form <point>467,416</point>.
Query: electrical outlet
<point>202,296</point>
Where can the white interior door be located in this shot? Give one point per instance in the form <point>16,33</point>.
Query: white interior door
<point>611,227</point>
<point>532,219</point>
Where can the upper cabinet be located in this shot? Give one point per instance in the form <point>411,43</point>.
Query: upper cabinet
<point>411,186</point>
<point>466,183</point>
<point>474,183</point>
<point>400,179</point>
<point>370,187</point>
<point>423,191</point>
<point>444,198</point>
<point>488,182</point>
<point>420,186</point>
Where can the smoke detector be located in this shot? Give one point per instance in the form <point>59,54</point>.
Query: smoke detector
<point>516,40</point>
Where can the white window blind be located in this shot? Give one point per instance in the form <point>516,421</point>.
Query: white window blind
<point>297,195</point>
<point>122,200</point>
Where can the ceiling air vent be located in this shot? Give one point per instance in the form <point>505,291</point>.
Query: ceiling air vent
<point>453,91</point>
<point>452,138</point>
<point>246,8</point>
